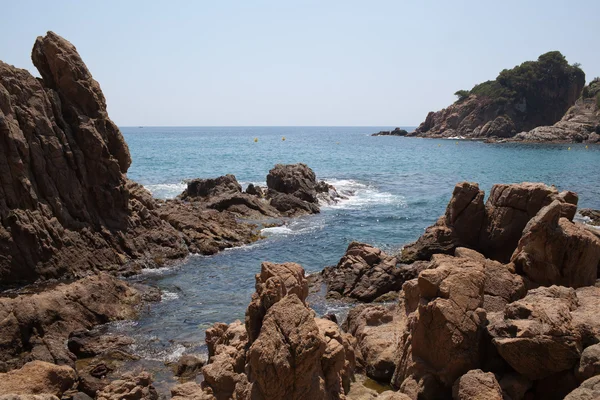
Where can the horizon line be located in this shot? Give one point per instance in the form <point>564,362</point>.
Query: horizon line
<point>264,126</point>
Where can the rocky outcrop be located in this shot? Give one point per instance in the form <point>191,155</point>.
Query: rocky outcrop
<point>581,123</point>
<point>63,184</point>
<point>589,390</point>
<point>38,377</point>
<point>534,94</point>
<point>377,330</point>
<point>130,386</point>
<point>284,352</point>
<point>493,229</point>
<point>593,215</point>
<point>365,272</point>
<point>67,208</point>
<point>477,385</point>
<point>554,250</point>
<point>36,326</point>
<point>395,132</point>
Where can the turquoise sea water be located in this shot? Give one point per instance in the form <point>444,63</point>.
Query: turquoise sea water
<point>400,186</point>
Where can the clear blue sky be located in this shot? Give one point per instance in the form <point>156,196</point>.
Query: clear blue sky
<point>298,62</point>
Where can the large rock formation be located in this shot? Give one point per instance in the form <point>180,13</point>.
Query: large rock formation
<point>66,206</point>
<point>38,377</point>
<point>581,123</point>
<point>36,326</point>
<point>493,229</point>
<point>536,93</point>
<point>284,352</point>
<point>365,272</point>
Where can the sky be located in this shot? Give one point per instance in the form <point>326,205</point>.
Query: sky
<point>288,63</point>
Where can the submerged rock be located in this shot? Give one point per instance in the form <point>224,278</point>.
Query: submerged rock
<point>395,132</point>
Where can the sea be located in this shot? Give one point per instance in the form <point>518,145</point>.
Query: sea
<point>396,187</point>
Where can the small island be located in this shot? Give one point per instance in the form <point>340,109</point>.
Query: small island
<point>395,132</point>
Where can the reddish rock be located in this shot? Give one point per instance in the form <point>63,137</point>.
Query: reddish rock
<point>555,251</point>
<point>49,317</point>
<point>38,377</point>
<point>477,385</point>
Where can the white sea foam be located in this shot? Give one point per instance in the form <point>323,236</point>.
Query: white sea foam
<point>156,271</point>
<point>167,296</point>
<point>166,190</point>
<point>276,230</point>
<point>360,195</point>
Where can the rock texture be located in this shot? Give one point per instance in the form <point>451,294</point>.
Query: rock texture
<point>554,250</point>
<point>284,352</point>
<point>365,273</point>
<point>64,192</point>
<point>493,228</point>
<point>533,94</point>
<point>36,326</point>
<point>130,386</point>
<point>581,123</point>
<point>477,385</point>
<point>38,377</point>
<point>589,390</point>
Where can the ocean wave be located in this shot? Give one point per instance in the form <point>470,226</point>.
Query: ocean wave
<point>360,195</point>
<point>296,227</point>
<point>166,190</point>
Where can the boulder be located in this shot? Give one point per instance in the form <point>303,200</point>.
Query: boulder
<point>493,229</point>
<point>555,251</point>
<point>274,282</point>
<point>84,343</point>
<point>365,273</point>
<point>131,387</point>
<point>67,206</point>
<point>377,330</point>
<point>339,360</point>
<point>477,385</point>
<point>593,215</point>
<point>223,185</point>
<point>188,366</point>
<point>536,334</point>
<point>502,284</point>
<point>588,390</point>
<point>38,377</point>
<point>448,330</point>
<point>190,391</point>
<point>50,316</point>
<point>285,358</point>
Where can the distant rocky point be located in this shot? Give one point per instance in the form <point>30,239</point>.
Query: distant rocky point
<point>533,94</point>
<point>395,132</point>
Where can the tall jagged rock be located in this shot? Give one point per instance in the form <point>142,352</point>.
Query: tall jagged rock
<point>65,204</point>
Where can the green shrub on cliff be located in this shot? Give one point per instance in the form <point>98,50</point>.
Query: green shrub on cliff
<point>533,83</point>
<point>462,94</point>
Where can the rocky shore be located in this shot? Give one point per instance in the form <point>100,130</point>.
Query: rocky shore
<point>497,300</point>
<point>538,101</point>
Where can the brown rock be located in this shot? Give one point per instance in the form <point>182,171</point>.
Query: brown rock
<point>67,208</point>
<point>494,229</point>
<point>366,273</point>
<point>537,336</point>
<point>377,330</point>
<point>285,358</point>
<point>339,360</point>
<point>84,343</point>
<point>588,390</point>
<point>447,333</point>
<point>49,318</point>
<point>130,387</point>
<point>514,386</point>
<point>593,215</point>
<point>477,385</point>
<point>555,251</point>
<point>38,377</point>
<point>188,366</point>
<point>211,187</point>
<point>190,391</point>
<point>274,282</point>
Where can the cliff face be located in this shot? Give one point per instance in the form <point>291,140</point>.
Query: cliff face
<point>533,94</point>
<point>580,124</point>
<point>66,207</point>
